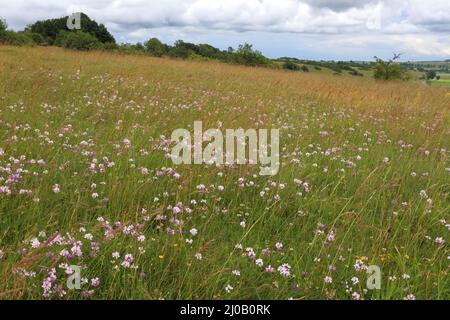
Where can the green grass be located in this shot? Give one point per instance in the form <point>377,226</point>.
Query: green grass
<point>441,82</point>
<point>445,83</point>
<point>366,150</point>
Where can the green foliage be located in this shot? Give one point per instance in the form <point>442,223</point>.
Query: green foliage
<point>37,38</point>
<point>289,65</point>
<point>51,28</point>
<point>437,66</point>
<point>14,38</point>
<point>155,47</point>
<point>355,73</point>
<point>139,46</point>
<point>77,40</point>
<point>389,70</point>
<point>337,67</point>
<point>246,55</point>
<point>110,46</point>
<point>182,49</point>
<point>126,48</point>
<point>208,51</point>
<point>3,26</point>
<point>95,36</point>
<point>430,75</point>
<point>3,31</point>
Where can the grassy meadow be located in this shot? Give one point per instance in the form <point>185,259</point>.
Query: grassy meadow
<point>443,81</point>
<point>85,180</point>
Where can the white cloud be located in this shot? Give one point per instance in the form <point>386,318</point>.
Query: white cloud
<point>133,19</point>
<point>341,5</point>
<point>426,45</point>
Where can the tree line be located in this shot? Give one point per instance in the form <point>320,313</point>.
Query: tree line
<point>95,36</point>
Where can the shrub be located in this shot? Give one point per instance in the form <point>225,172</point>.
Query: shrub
<point>209,51</point>
<point>246,55</point>
<point>110,46</point>
<point>304,68</point>
<point>77,40</point>
<point>355,73</point>
<point>36,38</point>
<point>155,47</point>
<point>182,49</point>
<point>430,75</point>
<point>389,70</point>
<point>289,65</point>
<point>15,38</point>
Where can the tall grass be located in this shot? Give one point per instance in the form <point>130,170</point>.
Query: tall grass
<point>372,158</point>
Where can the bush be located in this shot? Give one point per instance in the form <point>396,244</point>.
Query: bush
<point>36,38</point>
<point>16,38</point>
<point>182,49</point>
<point>110,46</point>
<point>355,73</point>
<point>430,75</point>
<point>126,48</point>
<point>155,47</point>
<point>77,40</point>
<point>289,65</point>
<point>389,70</point>
<point>246,55</point>
<point>208,51</point>
<point>304,68</point>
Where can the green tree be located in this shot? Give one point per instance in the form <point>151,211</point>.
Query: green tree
<point>3,28</point>
<point>155,47</point>
<point>430,75</point>
<point>389,70</point>
<point>51,28</point>
<point>208,51</point>
<point>246,55</point>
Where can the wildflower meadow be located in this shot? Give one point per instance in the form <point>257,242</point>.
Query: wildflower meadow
<point>92,205</point>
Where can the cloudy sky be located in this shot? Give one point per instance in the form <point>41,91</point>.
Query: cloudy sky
<point>312,29</point>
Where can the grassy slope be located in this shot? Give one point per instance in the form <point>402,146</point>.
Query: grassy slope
<point>443,81</point>
<point>51,100</point>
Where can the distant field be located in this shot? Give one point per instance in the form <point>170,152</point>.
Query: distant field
<point>85,181</point>
<point>441,82</point>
